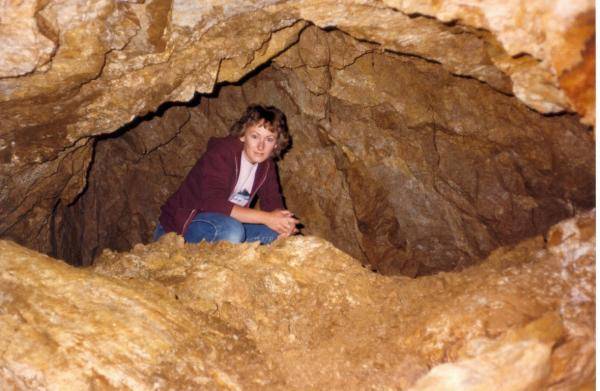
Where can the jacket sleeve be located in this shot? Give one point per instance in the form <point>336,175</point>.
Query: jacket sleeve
<point>217,166</point>
<point>270,194</point>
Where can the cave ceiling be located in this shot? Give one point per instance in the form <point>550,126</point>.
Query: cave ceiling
<point>75,71</point>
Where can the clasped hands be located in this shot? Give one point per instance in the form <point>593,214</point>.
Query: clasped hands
<point>283,222</point>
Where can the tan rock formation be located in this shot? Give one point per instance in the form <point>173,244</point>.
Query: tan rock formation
<point>330,323</point>
<point>63,328</point>
<point>526,365</point>
<point>555,34</point>
<point>394,160</point>
<point>299,314</point>
<point>75,69</point>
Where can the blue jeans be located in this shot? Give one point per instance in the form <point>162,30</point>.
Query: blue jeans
<point>214,227</point>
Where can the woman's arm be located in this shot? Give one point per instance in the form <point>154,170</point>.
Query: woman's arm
<point>213,182</point>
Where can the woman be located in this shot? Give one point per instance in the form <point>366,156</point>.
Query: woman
<point>213,202</point>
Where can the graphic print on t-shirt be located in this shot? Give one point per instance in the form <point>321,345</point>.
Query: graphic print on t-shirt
<point>241,198</point>
<point>241,195</point>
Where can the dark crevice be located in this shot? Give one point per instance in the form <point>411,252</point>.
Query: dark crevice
<point>53,231</point>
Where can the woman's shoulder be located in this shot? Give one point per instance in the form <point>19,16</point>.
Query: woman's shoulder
<point>224,144</point>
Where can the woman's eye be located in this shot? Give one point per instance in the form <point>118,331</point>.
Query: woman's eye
<point>270,140</point>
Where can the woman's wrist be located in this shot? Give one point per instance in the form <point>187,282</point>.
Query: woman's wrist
<point>251,216</point>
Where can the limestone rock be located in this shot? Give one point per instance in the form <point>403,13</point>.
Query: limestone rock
<point>555,34</point>
<point>25,47</point>
<point>295,315</point>
<point>65,328</point>
<point>33,186</point>
<point>524,366</point>
<point>329,323</point>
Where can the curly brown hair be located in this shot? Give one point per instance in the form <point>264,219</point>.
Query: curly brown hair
<point>271,118</point>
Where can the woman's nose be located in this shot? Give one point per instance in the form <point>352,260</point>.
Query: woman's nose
<point>261,145</point>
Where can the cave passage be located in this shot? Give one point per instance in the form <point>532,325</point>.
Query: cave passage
<point>428,136</point>
<point>395,160</point>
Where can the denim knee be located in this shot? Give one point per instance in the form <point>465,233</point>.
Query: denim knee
<point>158,232</point>
<point>214,227</point>
<point>260,233</point>
<point>267,237</point>
<point>231,230</point>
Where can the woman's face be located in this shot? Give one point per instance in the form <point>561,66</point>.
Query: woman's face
<point>259,143</point>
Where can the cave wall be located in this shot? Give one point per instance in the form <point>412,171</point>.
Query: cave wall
<point>74,70</point>
<point>395,160</point>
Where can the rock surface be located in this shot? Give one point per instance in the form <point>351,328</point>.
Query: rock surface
<point>64,328</point>
<point>300,314</point>
<point>394,160</point>
<point>73,70</point>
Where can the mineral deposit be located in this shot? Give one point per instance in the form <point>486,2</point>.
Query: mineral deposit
<point>299,314</point>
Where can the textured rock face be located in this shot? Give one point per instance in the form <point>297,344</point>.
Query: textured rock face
<point>66,328</point>
<point>300,314</point>
<point>394,160</point>
<point>71,70</point>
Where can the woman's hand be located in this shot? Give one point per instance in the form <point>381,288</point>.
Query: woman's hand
<point>283,222</point>
<point>280,220</point>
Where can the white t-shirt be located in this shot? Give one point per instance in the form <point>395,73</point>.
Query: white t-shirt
<point>243,187</point>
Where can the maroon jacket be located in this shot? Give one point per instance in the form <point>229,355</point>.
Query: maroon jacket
<point>211,181</point>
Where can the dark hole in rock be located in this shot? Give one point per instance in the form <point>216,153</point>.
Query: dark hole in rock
<point>395,160</point>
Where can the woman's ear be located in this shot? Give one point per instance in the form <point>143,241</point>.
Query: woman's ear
<point>242,135</point>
